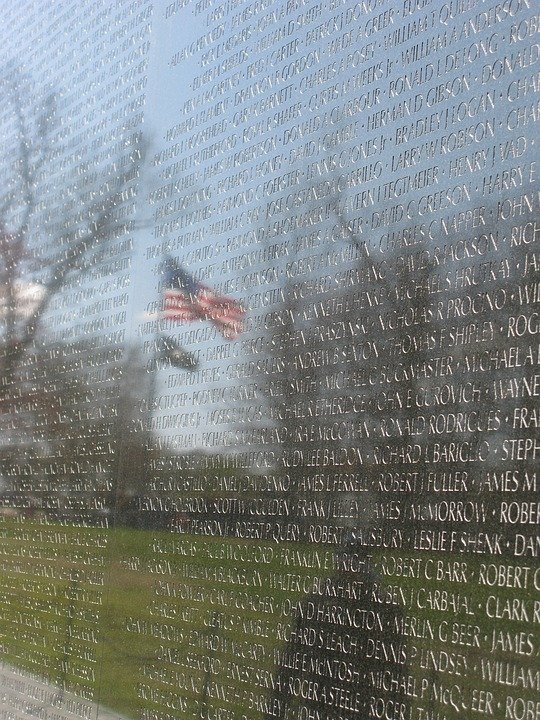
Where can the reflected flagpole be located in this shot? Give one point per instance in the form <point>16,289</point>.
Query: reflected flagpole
<point>184,300</point>
<point>166,350</point>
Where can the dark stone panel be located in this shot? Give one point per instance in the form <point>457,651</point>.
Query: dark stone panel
<point>269,286</point>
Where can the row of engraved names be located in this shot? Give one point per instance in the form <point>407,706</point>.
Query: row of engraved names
<point>478,35</point>
<point>306,207</point>
<point>197,205</point>
<point>474,542</point>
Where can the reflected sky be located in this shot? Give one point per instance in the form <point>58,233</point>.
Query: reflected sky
<point>282,142</point>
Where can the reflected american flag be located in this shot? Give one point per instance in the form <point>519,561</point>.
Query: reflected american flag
<point>186,300</point>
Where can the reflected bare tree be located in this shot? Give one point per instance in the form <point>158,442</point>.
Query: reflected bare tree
<point>385,371</point>
<point>50,233</point>
<point>65,210</point>
<point>428,338</point>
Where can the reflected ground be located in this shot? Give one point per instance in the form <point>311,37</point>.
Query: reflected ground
<point>95,614</point>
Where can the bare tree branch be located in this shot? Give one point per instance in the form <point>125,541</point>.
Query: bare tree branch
<point>91,221</point>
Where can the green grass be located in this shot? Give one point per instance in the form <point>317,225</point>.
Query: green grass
<point>132,618</point>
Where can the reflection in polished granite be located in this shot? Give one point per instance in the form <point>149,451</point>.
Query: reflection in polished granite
<point>269,289</point>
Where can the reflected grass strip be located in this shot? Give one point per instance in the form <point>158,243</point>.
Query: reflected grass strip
<point>198,622</point>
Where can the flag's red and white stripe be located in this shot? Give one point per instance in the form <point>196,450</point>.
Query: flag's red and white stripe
<point>226,313</point>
